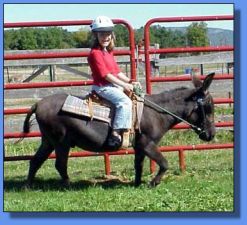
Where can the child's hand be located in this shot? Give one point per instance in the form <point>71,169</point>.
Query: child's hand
<point>128,87</point>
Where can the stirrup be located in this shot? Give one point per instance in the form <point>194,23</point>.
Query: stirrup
<point>127,139</point>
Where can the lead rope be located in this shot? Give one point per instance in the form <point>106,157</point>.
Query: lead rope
<point>138,91</point>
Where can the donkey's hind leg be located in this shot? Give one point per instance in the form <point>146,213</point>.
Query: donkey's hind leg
<point>139,159</point>
<point>39,158</point>
<point>61,164</point>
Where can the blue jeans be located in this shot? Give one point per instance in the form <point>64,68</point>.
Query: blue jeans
<point>123,105</point>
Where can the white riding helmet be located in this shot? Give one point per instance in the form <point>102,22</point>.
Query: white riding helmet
<point>102,23</point>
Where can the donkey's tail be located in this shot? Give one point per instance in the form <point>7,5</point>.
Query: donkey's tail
<point>27,123</point>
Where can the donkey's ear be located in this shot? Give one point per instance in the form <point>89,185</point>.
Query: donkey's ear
<point>207,82</point>
<point>196,81</point>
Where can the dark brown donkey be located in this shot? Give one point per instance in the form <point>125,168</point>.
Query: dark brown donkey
<point>60,131</point>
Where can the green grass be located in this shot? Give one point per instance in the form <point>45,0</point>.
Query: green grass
<point>221,110</point>
<point>206,186</point>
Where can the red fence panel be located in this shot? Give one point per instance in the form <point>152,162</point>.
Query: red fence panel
<point>147,51</point>
<point>131,53</point>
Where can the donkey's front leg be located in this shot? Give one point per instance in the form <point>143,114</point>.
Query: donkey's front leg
<point>153,153</point>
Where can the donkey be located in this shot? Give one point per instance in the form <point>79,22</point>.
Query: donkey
<point>60,131</point>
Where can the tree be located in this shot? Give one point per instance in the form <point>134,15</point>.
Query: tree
<point>139,37</point>
<point>122,36</point>
<point>67,40</point>
<point>59,38</point>
<point>197,34</point>
<point>8,39</point>
<point>20,39</point>
<point>38,38</point>
<point>81,38</point>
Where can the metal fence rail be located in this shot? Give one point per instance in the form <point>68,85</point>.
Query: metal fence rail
<point>149,80</point>
<point>148,51</point>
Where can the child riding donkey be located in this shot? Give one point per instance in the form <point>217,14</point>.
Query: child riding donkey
<point>109,82</point>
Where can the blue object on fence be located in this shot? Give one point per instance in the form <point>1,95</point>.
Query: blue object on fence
<point>188,71</point>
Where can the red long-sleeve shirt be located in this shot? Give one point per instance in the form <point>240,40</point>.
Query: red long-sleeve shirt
<point>102,63</point>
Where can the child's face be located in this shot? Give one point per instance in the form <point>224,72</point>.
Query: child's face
<point>104,38</point>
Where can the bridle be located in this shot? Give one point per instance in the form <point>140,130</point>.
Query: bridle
<point>200,104</point>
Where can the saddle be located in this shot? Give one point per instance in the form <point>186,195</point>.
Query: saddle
<point>95,107</point>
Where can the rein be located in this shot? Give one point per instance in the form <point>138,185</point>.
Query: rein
<point>174,115</point>
<point>139,93</point>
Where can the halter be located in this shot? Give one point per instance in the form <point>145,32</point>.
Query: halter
<point>200,102</point>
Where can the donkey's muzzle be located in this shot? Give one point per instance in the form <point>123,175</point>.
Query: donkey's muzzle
<point>206,136</point>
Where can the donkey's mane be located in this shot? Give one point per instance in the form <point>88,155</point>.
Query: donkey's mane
<point>171,95</point>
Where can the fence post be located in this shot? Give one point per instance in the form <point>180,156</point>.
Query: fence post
<point>152,166</point>
<point>107,164</point>
<point>182,165</point>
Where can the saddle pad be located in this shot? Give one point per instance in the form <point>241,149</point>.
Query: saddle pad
<point>79,106</point>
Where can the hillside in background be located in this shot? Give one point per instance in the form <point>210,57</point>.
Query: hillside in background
<point>216,36</point>
<point>220,36</point>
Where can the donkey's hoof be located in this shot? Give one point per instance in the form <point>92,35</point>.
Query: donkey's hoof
<point>137,184</point>
<point>65,183</point>
<point>27,185</point>
<point>153,183</point>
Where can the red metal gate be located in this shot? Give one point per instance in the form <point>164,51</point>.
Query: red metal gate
<point>131,53</point>
<point>149,79</point>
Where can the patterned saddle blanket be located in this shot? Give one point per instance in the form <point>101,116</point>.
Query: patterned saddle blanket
<point>96,108</point>
<point>87,106</point>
